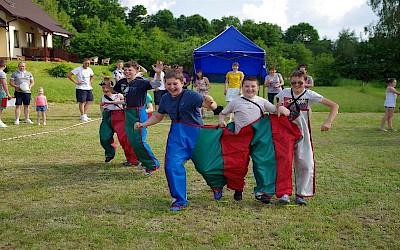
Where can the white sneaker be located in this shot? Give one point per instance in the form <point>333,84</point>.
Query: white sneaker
<point>285,199</point>
<point>28,121</point>
<point>84,118</point>
<point>16,122</point>
<point>2,125</point>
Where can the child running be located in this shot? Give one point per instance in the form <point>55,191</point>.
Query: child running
<point>41,106</point>
<point>183,107</point>
<point>390,104</point>
<point>248,109</point>
<point>299,100</point>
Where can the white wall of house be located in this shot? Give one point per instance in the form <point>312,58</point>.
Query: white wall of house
<point>22,28</point>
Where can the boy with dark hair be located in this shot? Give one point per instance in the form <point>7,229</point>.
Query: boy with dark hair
<point>134,88</point>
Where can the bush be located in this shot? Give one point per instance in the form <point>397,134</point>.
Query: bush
<point>60,70</point>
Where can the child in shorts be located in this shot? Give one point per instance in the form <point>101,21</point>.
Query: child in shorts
<point>41,106</point>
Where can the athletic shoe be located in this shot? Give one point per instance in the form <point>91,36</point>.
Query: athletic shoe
<point>238,196</point>
<point>2,125</point>
<point>88,118</point>
<point>175,207</point>
<point>16,122</point>
<point>147,174</point>
<point>44,123</point>
<point>392,129</point>
<point>140,167</point>
<point>127,163</point>
<point>285,199</point>
<point>217,193</point>
<point>261,197</point>
<point>108,159</point>
<point>300,201</point>
<point>84,118</point>
<point>383,129</point>
<point>28,121</point>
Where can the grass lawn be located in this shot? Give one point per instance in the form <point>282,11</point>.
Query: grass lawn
<point>56,192</point>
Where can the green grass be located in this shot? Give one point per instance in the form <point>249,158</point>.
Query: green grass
<point>352,96</point>
<point>56,192</point>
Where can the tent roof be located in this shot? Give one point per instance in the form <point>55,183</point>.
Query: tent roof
<point>230,40</point>
<point>30,12</point>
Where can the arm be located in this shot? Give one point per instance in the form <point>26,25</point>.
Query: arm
<point>241,84</point>
<point>226,84</point>
<point>332,114</point>
<point>31,83</point>
<point>12,84</point>
<point>91,79</point>
<point>5,87</point>
<point>151,121</point>
<point>208,84</point>
<point>391,89</point>
<point>221,120</point>
<point>281,110</point>
<point>281,81</point>
<point>310,83</point>
<point>266,82</point>
<point>45,101</point>
<point>208,102</point>
<point>70,77</point>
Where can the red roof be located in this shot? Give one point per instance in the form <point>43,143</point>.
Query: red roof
<point>30,12</point>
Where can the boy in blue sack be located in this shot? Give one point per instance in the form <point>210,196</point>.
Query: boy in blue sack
<point>183,107</point>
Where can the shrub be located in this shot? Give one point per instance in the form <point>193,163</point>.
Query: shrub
<point>60,70</point>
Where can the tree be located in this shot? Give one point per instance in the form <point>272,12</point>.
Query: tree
<point>388,12</point>
<point>163,19</point>
<point>344,53</point>
<point>195,25</point>
<point>136,15</point>
<point>303,33</point>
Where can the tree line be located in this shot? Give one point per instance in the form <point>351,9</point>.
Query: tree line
<point>106,29</point>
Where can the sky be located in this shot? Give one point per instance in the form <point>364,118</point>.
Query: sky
<point>328,17</point>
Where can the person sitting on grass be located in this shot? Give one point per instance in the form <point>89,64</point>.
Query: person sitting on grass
<point>183,107</point>
<point>299,100</point>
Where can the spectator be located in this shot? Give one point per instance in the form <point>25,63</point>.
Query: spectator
<point>84,96</point>
<point>22,81</point>
<point>3,90</point>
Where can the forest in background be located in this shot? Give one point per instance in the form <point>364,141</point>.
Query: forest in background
<point>106,29</point>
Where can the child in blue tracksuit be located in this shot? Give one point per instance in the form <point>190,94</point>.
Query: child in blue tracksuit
<point>183,107</point>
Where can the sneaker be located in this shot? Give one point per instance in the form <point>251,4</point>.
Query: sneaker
<point>392,129</point>
<point>147,174</point>
<point>16,122</point>
<point>87,117</point>
<point>217,193</point>
<point>300,201</point>
<point>285,199</point>
<point>29,121</point>
<point>140,167</point>
<point>127,163</point>
<point>2,125</point>
<point>175,207</point>
<point>383,129</point>
<point>44,123</point>
<point>238,196</point>
<point>84,118</point>
<point>108,159</point>
<point>261,197</point>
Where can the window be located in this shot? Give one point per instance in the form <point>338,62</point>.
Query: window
<point>16,39</point>
<point>30,40</point>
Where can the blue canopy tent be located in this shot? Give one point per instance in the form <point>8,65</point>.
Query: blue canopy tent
<point>215,58</point>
